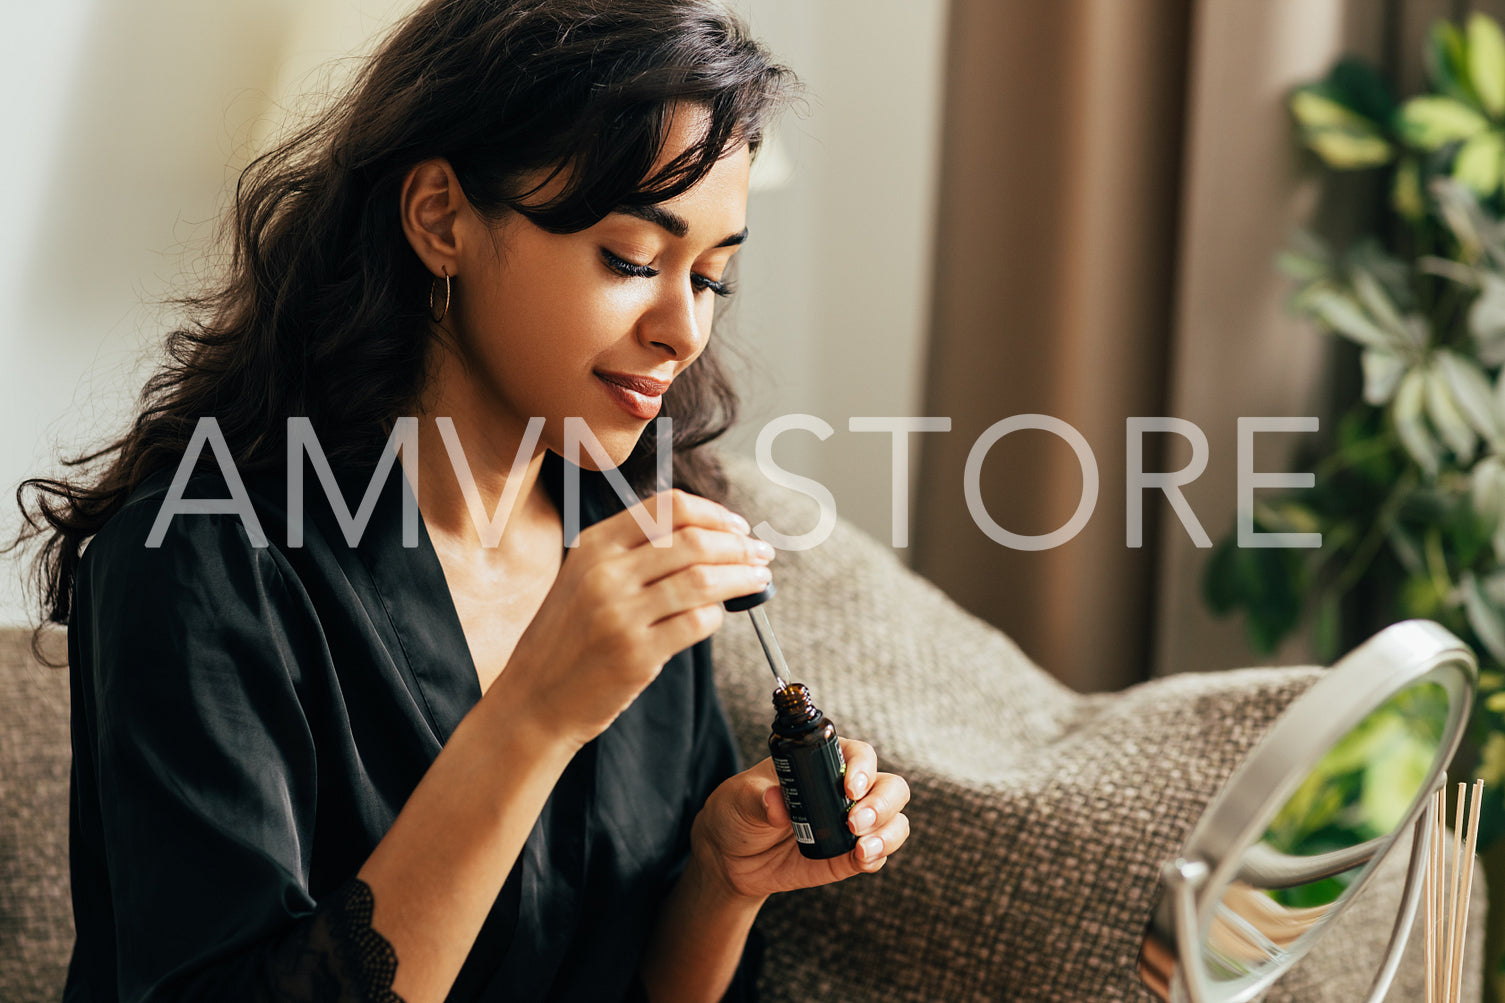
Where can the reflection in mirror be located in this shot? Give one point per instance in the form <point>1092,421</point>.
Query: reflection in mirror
<point>1326,837</point>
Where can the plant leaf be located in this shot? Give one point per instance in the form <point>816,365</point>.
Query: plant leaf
<point>1475,398</point>
<point>1315,107</point>
<point>1445,60</point>
<point>1492,586</point>
<point>1429,122</point>
<point>1382,373</point>
<point>1500,392</point>
<point>1300,268</point>
<point>1485,46</point>
<point>1393,273</point>
<point>1491,767</point>
<point>1405,191</point>
<point>1446,416</point>
<point>1349,150</point>
<point>1486,319</point>
<point>1454,271</point>
<point>1342,137</point>
<point>1418,333</point>
<point>1460,210</point>
<point>1478,162</point>
<point>1377,303</point>
<point>1407,551</point>
<point>1419,597</point>
<point>1358,85</point>
<point>1306,258</point>
<point>1409,400</point>
<point>1340,312</point>
<point>1483,617</point>
<point>1486,487</point>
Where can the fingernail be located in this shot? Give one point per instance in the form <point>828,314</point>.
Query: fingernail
<point>859,785</point>
<point>864,819</point>
<point>739,523</point>
<point>870,847</point>
<point>762,550</point>
<point>762,575</point>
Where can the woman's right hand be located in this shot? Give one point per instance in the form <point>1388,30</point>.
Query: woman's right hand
<point>621,607</point>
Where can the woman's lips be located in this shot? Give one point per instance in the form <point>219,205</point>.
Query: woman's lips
<point>640,396</point>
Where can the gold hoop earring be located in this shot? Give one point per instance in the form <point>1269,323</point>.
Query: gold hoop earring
<point>440,314</point>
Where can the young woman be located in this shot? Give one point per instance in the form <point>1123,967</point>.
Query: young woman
<point>321,753</point>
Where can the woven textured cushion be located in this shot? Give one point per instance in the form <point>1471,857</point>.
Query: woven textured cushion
<point>1040,817</point>
<point>36,916</point>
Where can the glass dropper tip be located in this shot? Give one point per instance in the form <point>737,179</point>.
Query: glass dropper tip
<point>771,650</point>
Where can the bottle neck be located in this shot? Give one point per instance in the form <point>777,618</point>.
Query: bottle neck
<point>796,711</point>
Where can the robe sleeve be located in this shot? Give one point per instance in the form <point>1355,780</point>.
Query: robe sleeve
<point>200,769</point>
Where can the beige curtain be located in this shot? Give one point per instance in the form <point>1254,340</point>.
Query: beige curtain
<point>1116,178</point>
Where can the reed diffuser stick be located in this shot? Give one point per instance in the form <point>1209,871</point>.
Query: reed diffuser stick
<point>1452,913</point>
<point>1428,884</point>
<point>1439,900</point>
<point>1448,891</point>
<point>1467,881</point>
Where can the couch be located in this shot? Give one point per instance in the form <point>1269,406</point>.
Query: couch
<point>1040,816</point>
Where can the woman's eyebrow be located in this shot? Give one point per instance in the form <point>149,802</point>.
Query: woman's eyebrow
<point>673,222</point>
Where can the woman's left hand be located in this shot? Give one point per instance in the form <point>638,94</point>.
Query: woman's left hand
<point>743,834</point>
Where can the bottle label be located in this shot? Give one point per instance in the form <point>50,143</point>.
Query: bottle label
<point>791,792</point>
<point>814,790</point>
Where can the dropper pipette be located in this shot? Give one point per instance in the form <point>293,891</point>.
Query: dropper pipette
<point>753,605</point>
<point>770,645</point>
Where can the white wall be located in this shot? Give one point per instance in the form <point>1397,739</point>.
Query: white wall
<point>837,270</point>
<point>127,121</point>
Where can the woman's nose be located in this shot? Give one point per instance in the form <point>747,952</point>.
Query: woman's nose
<point>674,324</point>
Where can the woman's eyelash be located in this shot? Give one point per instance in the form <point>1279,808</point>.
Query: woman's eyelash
<point>722,288</point>
<point>624,267</point>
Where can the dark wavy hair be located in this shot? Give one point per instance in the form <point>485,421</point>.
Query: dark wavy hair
<point>322,310</point>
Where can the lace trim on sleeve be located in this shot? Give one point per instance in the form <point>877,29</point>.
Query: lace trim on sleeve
<point>334,956</point>
<point>358,946</point>
<point>330,956</point>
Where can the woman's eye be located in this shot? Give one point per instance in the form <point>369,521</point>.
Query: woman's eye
<point>625,267</point>
<point>722,288</point>
<point>631,269</point>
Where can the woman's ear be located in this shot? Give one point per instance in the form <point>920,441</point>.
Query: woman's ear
<point>431,204</point>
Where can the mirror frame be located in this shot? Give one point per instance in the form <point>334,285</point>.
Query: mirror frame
<point>1357,685</point>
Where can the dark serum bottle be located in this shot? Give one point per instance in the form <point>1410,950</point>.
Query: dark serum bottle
<point>812,774</point>
<point>806,755</point>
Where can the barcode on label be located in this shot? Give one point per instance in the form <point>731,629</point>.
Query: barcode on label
<point>802,833</point>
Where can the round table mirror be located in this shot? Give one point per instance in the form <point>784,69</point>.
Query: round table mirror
<point>1304,822</point>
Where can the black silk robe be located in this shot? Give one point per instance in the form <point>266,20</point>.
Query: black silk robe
<point>248,721</point>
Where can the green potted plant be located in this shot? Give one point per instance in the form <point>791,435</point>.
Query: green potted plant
<point>1410,493</point>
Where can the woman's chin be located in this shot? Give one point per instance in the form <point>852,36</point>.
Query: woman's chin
<point>611,450</point>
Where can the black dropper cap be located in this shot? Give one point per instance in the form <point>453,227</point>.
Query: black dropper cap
<point>742,603</point>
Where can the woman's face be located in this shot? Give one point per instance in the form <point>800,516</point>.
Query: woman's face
<point>592,324</point>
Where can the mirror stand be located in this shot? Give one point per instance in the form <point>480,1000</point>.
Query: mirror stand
<point>1184,879</point>
<point>1292,839</point>
<point>1421,845</point>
